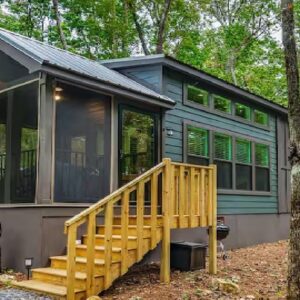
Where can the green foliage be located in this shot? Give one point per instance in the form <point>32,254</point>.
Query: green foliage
<point>235,40</point>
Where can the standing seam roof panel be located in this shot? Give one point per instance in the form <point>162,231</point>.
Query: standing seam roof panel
<point>44,53</point>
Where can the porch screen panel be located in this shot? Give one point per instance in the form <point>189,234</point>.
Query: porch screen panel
<point>24,135</point>
<point>3,122</point>
<point>82,145</point>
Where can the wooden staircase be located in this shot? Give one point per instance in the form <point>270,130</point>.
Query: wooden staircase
<point>118,235</point>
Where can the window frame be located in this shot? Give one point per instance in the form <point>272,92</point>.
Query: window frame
<point>231,115</point>
<point>237,163</point>
<point>223,160</point>
<point>234,136</point>
<point>268,167</point>
<point>260,111</point>
<point>201,89</point>
<point>251,110</point>
<point>208,143</point>
<point>231,104</point>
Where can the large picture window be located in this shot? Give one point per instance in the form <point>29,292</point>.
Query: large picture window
<point>242,164</point>
<point>222,148</point>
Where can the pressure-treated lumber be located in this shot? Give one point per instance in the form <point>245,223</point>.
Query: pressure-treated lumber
<point>71,262</point>
<point>165,247</point>
<point>181,195</point>
<point>124,231</point>
<point>91,237</point>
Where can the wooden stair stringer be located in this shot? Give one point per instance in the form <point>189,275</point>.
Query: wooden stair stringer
<point>52,280</point>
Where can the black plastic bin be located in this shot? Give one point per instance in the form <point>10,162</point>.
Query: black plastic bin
<point>186,256</point>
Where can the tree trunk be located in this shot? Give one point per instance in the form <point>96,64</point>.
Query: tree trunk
<point>162,27</point>
<point>288,38</point>
<point>58,24</point>
<point>230,66</point>
<point>138,27</point>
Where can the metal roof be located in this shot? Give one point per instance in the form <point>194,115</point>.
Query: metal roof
<point>46,54</point>
<point>173,63</point>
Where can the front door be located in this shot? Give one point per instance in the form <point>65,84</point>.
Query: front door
<point>138,143</point>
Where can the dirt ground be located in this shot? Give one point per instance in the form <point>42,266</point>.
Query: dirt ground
<point>251,273</point>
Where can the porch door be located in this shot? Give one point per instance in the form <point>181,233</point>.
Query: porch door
<point>138,143</point>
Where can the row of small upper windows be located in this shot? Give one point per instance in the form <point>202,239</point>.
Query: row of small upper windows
<point>225,105</point>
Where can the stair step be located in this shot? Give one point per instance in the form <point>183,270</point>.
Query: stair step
<point>48,288</point>
<point>116,240</point>
<point>78,259</point>
<point>114,236</point>
<point>132,220</point>
<point>132,230</point>
<point>99,252</point>
<point>58,276</point>
<point>59,272</point>
<point>60,262</point>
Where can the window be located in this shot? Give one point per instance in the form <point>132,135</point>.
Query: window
<point>197,145</point>
<point>243,164</point>
<point>261,155</point>
<point>197,95</point>
<point>261,118</point>
<point>223,159</point>
<point>222,104</point>
<point>242,111</point>
<point>262,167</point>
<point>138,145</point>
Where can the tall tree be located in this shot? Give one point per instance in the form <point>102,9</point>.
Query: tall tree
<point>292,72</point>
<point>240,24</point>
<point>151,27</point>
<point>59,24</point>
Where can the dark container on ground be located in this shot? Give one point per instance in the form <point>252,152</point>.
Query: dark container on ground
<point>186,256</point>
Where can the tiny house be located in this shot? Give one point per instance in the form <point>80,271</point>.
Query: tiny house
<point>73,130</point>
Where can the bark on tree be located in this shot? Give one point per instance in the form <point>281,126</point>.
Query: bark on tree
<point>290,50</point>
<point>138,27</point>
<point>59,25</point>
<point>230,66</point>
<point>162,27</point>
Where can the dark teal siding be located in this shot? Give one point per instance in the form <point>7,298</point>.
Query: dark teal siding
<point>227,204</point>
<point>149,76</point>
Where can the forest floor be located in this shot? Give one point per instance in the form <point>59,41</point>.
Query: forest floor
<point>257,272</point>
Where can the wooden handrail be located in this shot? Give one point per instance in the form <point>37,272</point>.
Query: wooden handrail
<point>81,217</point>
<point>188,194</point>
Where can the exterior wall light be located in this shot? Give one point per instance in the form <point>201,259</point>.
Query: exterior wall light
<point>28,265</point>
<point>170,132</point>
<point>57,93</point>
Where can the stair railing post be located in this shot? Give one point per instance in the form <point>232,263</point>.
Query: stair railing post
<point>166,199</point>
<point>124,231</point>
<point>90,259</point>
<point>154,189</point>
<point>140,218</point>
<point>71,261</point>
<point>109,214</point>
<point>213,224</point>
